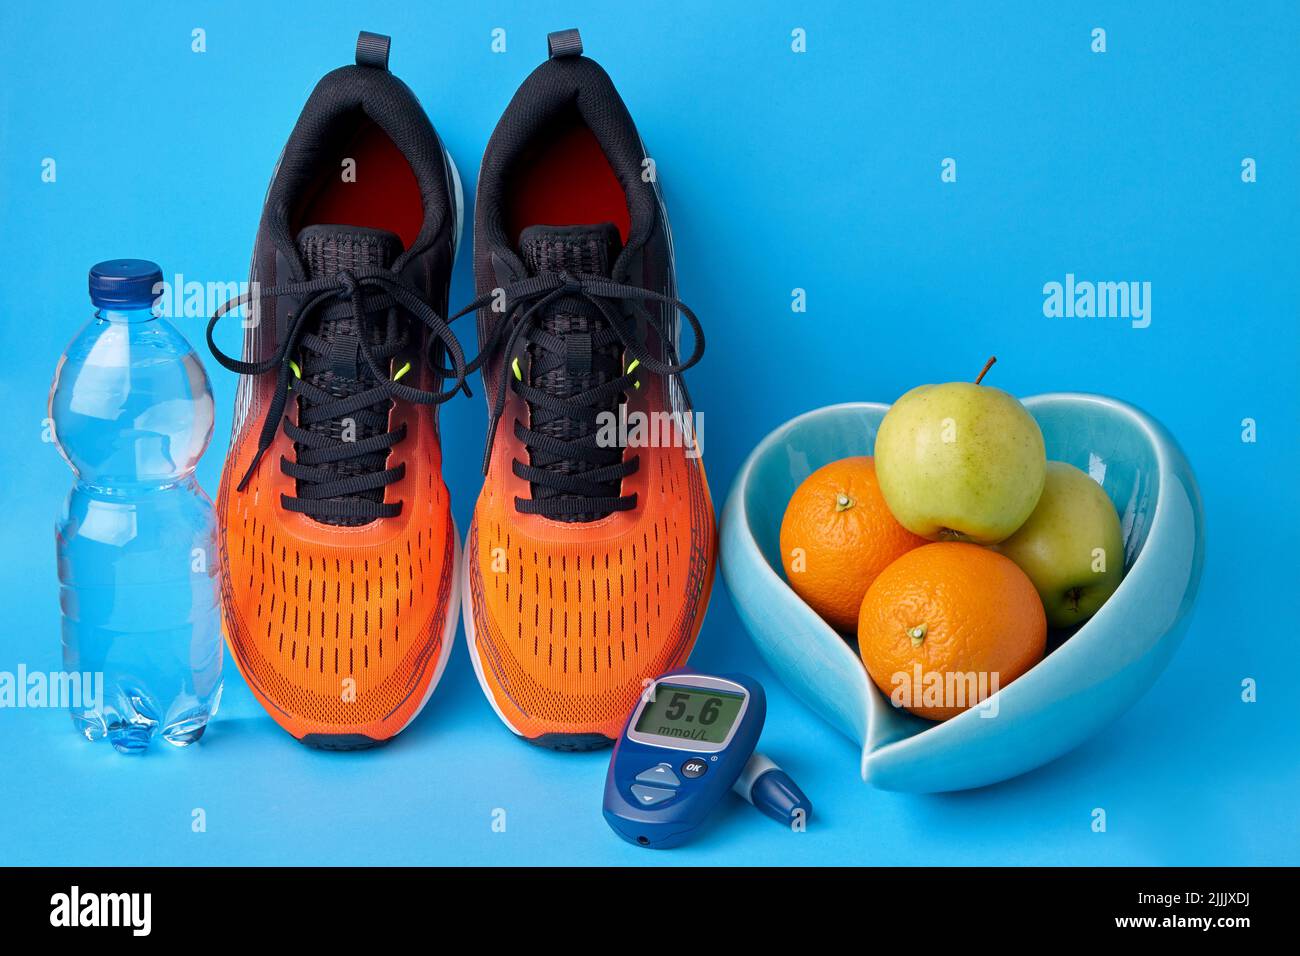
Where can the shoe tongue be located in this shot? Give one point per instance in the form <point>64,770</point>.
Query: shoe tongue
<point>328,250</point>
<point>581,250</point>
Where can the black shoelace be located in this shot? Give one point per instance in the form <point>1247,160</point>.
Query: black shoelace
<point>526,303</point>
<point>367,292</point>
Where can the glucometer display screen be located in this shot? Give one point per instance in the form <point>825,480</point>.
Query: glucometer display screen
<point>690,713</point>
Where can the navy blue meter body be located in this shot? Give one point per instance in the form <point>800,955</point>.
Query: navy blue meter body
<point>681,751</point>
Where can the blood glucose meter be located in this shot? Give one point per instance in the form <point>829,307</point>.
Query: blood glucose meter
<point>690,739</point>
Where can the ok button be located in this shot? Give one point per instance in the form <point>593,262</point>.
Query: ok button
<point>695,767</point>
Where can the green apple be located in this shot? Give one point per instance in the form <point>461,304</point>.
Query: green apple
<point>1071,547</point>
<point>960,462</point>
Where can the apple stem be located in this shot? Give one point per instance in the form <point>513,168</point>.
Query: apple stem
<point>984,371</point>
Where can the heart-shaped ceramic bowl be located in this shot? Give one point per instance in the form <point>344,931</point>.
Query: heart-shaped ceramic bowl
<point>1076,690</point>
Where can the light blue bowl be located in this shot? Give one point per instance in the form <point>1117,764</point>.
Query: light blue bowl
<point>1076,690</point>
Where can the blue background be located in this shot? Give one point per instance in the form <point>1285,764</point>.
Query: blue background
<point>819,171</point>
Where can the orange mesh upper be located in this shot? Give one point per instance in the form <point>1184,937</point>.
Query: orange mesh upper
<point>308,606</point>
<point>571,618</point>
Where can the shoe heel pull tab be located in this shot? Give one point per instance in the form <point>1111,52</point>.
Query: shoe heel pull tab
<point>372,49</point>
<point>563,43</point>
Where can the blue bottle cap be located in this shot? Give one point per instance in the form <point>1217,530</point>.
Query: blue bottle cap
<point>124,283</point>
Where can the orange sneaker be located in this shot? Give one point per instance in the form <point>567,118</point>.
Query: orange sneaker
<point>338,553</point>
<point>591,555</point>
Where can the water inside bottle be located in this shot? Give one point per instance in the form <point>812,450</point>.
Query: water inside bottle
<point>138,565</point>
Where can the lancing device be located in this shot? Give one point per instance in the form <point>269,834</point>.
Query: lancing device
<point>690,739</point>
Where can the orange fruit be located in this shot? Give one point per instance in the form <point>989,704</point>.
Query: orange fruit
<point>837,535</point>
<point>946,625</point>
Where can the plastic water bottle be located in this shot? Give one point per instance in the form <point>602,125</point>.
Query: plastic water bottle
<point>132,413</point>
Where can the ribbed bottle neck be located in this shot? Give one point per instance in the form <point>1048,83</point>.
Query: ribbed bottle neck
<point>125,316</point>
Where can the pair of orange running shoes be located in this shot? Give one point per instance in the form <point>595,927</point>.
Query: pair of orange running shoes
<point>588,565</point>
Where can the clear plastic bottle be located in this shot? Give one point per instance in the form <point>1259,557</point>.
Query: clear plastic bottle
<point>132,412</point>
